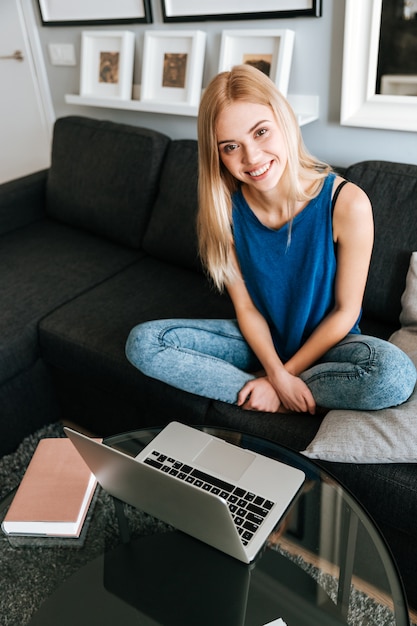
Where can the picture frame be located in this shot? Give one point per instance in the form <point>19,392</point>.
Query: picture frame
<point>201,10</point>
<point>172,68</point>
<point>268,50</point>
<point>79,12</point>
<point>361,106</point>
<point>107,64</point>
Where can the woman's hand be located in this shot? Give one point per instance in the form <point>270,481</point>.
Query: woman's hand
<point>259,395</point>
<point>292,395</point>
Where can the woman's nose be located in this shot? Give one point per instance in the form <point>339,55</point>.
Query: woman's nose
<point>251,152</point>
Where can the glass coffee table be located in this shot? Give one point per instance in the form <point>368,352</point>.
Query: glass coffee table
<point>325,564</point>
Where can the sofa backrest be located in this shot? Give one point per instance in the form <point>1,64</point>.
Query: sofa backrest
<point>392,189</point>
<point>104,177</point>
<point>171,233</point>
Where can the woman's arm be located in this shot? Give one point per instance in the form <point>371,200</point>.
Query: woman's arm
<point>353,234</point>
<point>264,393</point>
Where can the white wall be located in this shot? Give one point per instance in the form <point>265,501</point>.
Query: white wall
<point>316,69</point>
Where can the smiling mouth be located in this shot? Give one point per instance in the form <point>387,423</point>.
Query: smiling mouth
<point>260,171</point>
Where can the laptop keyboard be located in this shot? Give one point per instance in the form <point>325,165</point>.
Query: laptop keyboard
<point>248,509</point>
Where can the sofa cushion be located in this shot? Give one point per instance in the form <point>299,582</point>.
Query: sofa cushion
<point>86,348</point>
<point>384,436</point>
<point>79,337</point>
<point>293,431</point>
<point>44,265</point>
<point>392,189</point>
<point>171,233</point>
<point>408,316</point>
<point>104,176</point>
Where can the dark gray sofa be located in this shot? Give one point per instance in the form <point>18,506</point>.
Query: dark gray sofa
<point>105,239</point>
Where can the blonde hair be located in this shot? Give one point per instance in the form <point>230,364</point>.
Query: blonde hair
<point>216,185</point>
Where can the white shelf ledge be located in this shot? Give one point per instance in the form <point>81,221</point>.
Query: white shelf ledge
<point>305,107</point>
<point>168,108</point>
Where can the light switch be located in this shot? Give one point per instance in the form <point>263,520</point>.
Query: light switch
<point>62,54</point>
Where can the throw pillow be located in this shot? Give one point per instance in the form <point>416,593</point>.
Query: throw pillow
<point>408,316</point>
<point>384,436</point>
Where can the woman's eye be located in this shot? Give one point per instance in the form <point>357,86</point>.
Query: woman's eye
<point>261,132</point>
<point>230,147</point>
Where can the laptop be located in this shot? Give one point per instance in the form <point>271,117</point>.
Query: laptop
<point>228,497</point>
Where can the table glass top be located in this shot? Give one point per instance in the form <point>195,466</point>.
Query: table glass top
<point>326,560</point>
<point>325,564</point>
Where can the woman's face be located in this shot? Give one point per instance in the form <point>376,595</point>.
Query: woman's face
<point>251,145</point>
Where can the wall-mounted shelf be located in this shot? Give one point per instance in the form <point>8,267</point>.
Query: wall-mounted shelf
<point>305,107</point>
<point>168,108</point>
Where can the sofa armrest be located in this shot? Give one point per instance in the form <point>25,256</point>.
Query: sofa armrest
<point>22,201</point>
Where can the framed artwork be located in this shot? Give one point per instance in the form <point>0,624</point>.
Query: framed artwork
<point>361,106</point>
<point>200,10</point>
<point>268,50</point>
<point>76,12</point>
<point>172,69</point>
<point>107,64</point>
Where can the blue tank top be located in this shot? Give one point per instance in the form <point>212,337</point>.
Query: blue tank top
<point>290,283</point>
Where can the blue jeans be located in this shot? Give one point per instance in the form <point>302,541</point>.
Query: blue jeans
<point>211,358</point>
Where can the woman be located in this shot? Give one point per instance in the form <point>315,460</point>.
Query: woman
<point>291,242</point>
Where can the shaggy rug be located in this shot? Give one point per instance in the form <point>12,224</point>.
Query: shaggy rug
<point>30,574</point>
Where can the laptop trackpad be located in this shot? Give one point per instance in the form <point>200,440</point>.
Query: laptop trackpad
<point>225,459</point>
